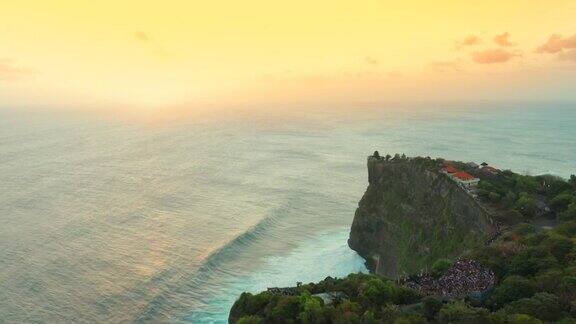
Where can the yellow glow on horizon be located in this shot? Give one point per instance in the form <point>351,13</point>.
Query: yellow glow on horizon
<point>158,53</point>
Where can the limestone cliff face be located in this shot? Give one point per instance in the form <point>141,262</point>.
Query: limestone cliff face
<point>412,214</point>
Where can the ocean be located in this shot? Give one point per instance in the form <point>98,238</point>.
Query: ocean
<point>110,219</point>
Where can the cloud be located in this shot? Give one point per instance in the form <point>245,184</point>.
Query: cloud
<point>556,43</point>
<point>142,36</point>
<point>503,40</point>
<point>470,40</point>
<point>568,55</point>
<point>493,56</point>
<point>10,72</point>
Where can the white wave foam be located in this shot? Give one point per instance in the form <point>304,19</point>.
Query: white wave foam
<point>326,255</point>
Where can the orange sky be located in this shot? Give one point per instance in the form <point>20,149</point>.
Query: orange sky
<point>152,54</point>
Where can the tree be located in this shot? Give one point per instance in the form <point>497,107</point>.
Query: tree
<point>251,304</point>
<point>460,312</point>
<point>369,318</point>
<point>544,306</point>
<point>559,246</point>
<point>524,229</point>
<point>440,266</point>
<point>567,228</point>
<point>526,183</point>
<point>511,289</point>
<point>572,181</point>
<point>509,199</point>
<point>552,185</point>
<point>410,319</point>
<point>569,213</point>
<point>494,197</point>
<point>513,216</point>
<point>376,291</point>
<point>526,204</point>
<point>529,262</point>
<point>561,201</point>
<point>432,306</point>
<point>567,286</point>
<point>548,280</point>
<point>312,312</point>
<point>522,319</point>
<point>288,307</point>
<point>390,313</point>
<point>405,296</point>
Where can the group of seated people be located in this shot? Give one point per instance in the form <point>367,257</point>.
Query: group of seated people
<point>462,278</point>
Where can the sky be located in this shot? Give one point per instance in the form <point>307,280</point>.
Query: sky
<point>189,53</point>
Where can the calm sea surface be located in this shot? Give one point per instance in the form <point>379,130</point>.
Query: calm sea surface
<point>115,220</point>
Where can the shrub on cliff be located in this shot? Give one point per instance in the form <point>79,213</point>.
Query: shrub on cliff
<point>249,304</point>
<point>460,312</point>
<point>526,204</point>
<point>544,306</point>
<point>567,229</point>
<point>513,288</point>
<point>405,296</point>
<point>572,181</point>
<point>558,245</point>
<point>432,306</point>
<point>570,212</point>
<point>561,201</point>
<point>502,317</point>
<point>312,309</point>
<point>548,280</point>
<point>376,292</point>
<point>440,266</point>
<point>531,261</point>
<point>287,307</point>
<point>524,229</point>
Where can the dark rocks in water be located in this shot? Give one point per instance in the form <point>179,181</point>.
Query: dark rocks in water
<point>412,214</point>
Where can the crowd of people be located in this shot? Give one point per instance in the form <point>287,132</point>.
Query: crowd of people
<point>464,277</point>
<point>287,291</point>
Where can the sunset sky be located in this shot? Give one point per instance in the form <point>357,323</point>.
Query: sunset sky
<point>153,54</point>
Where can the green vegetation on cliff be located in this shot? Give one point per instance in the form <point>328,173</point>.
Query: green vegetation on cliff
<point>536,274</point>
<point>534,266</point>
<point>525,197</point>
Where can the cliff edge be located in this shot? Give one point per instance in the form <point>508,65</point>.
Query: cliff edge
<point>413,214</point>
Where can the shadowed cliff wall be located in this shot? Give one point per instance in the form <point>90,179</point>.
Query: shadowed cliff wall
<point>411,215</point>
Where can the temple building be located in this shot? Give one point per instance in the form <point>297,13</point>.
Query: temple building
<point>465,179</point>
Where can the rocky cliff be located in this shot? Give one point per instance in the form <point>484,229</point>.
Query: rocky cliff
<point>412,214</point>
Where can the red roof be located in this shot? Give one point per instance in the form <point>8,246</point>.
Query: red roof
<point>450,169</point>
<point>463,175</point>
